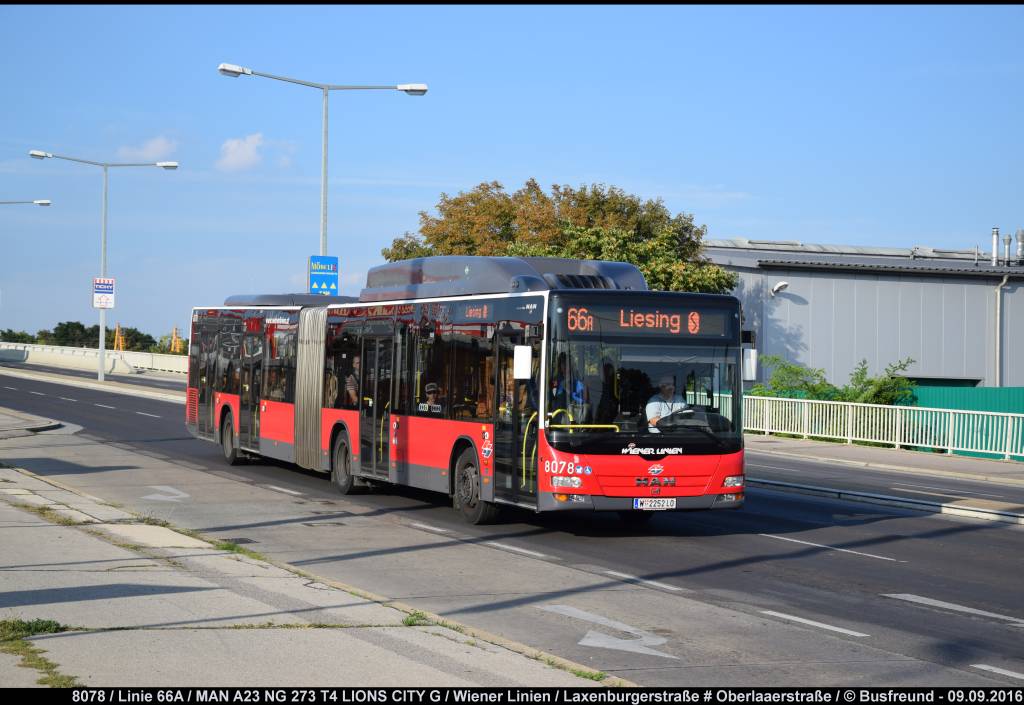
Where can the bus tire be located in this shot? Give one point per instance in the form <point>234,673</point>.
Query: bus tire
<point>635,518</point>
<point>467,491</point>
<point>227,441</point>
<point>341,472</point>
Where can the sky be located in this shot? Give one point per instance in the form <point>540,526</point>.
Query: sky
<point>887,126</point>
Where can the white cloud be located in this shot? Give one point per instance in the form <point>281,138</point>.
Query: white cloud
<point>237,154</point>
<point>150,151</point>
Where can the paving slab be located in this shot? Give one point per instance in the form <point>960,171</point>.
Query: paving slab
<point>377,656</point>
<point>14,676</point>
<point>150,536</point>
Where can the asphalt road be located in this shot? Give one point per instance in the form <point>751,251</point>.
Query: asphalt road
<point>157,380</point>
<point>790,590</point>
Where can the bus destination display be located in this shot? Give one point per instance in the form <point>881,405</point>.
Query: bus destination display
<point>646,321</point>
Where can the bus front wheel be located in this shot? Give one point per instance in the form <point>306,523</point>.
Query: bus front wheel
<point>341,473</point>
<point>467,491</point>
<point>227,440</point>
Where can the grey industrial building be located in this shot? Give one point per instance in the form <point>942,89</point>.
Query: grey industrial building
<point>829,306</point>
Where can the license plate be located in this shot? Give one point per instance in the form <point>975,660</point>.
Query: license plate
<point>654,503</point>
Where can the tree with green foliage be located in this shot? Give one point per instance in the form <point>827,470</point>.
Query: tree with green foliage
<point>16,336</point>
<point>890,387</point>
<point>589,222</point>
<point>794,381</point>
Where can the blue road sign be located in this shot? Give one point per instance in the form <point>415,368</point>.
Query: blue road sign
<point>323,275</point>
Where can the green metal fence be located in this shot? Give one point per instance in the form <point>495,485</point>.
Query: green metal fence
<point>1000,400</point>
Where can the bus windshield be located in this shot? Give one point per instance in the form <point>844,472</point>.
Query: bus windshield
<point>658,375</point>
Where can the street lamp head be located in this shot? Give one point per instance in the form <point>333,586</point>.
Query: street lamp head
<point>42,202</point>
<point>37,154</point>
<point>413,88</point>
<point>234,70</point>
<point>170,166</point>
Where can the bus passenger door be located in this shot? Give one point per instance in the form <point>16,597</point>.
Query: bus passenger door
<point>515,424</point>
<point>249,403</point>
<point>375,405</point>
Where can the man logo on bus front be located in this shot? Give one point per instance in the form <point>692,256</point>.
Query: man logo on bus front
<point>655,469</point>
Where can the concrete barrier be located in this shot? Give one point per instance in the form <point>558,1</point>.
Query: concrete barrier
<point>87,358</point>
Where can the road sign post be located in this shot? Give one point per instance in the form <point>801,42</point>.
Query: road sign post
<point>323,275</point>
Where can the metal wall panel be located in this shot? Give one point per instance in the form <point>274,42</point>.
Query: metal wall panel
<point>833,320</point>
<point>1013,335</point>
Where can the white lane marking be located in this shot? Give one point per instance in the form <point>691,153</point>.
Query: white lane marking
<point>143,413</point>
<point>281,489</point>
<point>13,389</point>
<point>38,394</point>
<point>67,399</point>
<point>947,489</point>
<point>639,644</point>
<point>812,623</point>
<point>169,494</point>
<point>771,467</point>
<point>514,548</point>
<point>1000,671</point>
<point>105,406</point>
<point>833,548</point>
<point>655,583</point>
<point>950,606</point>
<point>928,494</point>
<point>428,527</point>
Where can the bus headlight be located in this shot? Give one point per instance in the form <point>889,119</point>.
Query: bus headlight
<point>566,482</point>
<point>733,481</point>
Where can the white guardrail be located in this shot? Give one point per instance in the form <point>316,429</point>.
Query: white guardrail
<point>899,426</point>
<point>87,358</point>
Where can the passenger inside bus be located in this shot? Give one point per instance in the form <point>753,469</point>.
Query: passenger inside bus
<point>434,403</point>
<point>352,384</point>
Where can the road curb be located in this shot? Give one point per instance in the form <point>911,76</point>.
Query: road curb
<point>898,468</point>
<point>890,501</point>
<point>99,386</point>
<point>32,423</point>
<point>530,652</point>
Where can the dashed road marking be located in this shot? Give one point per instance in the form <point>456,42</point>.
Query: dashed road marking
<point>105,406</point>
<point>524,551</point>
<point>653,583</point>
<point>947,489</point>
<point>771,467</point>
<point>67,399</point>
<point>13,389</point>
<point>953,607</point>
<point>428,527</point>
<point>1000,671</point>
<point>143,413</point>
<point>282,489</point>
<point>38,394</point>
<point>812,623</point>
<point>832,548</point>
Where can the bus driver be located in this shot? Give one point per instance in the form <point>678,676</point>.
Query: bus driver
<point>664,403</point>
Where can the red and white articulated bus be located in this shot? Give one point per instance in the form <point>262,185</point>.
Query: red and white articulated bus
<point>546,384</point>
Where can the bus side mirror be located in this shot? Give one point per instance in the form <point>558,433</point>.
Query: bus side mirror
<point>521,362</point>
<point>749,364</point>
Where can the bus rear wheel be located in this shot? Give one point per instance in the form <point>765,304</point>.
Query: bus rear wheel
<point>341,473</point>
<point>467,491</point>
<point>227,440</point>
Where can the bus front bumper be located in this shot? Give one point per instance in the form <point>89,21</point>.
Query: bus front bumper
<point>548,502</point>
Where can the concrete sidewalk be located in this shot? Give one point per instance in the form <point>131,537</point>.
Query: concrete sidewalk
<point>910,461</point>
<point>142,605</point>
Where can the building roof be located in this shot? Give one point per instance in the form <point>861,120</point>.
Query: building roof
<point>918,260</point>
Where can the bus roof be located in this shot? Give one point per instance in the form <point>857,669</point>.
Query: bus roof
<point>464,275</point>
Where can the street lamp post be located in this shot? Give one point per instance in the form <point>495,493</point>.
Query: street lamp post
<point>170,166</point>
<point>38,202</point>
<point>235,71</point>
